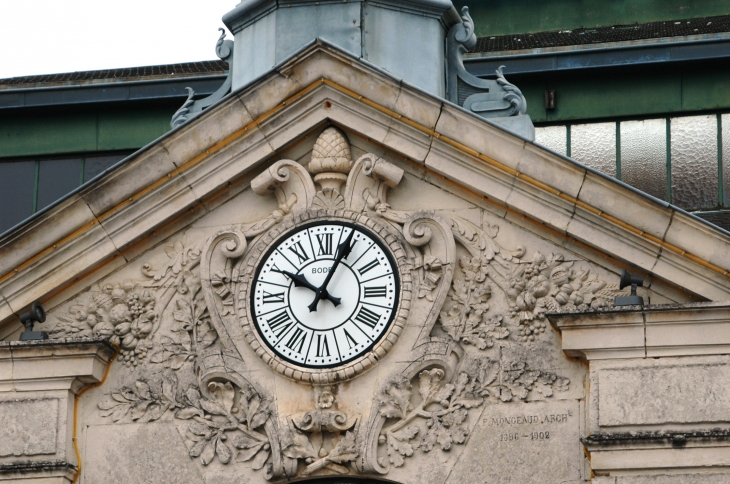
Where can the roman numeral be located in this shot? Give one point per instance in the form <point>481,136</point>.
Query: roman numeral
<point>369,266</point>
<point>279,323</point>
<point>299,251</point>
<point>323,347</point>
<point>274,297</point>
<point>367,317</point>
<point>325,244</point>
<point>297,338</point>
<point>376,291</point>
<point>350,340</point>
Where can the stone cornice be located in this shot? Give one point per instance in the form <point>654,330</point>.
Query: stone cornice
<point>64,364</point>
<point>649,332</point>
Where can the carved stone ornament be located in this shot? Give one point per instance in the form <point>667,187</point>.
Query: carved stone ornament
<point>192,108</point>
<point>184,325</point>
<point>490,98</point>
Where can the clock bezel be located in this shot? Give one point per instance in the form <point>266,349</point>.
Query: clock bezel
<point>251,265</point>
<point>273,247</point>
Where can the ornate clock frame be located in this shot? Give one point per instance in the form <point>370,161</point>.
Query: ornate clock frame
<point>247,268</point>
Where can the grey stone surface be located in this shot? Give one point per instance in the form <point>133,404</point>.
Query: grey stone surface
<point>723,478</point>
<point>28,427</point>
<point>267,33</point>
<point>520,125</point>
<point>532,442</point>
<point>151,453</point>
<point>664,395</point>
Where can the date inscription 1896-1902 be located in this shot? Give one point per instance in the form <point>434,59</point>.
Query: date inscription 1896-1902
<point>529,430</point>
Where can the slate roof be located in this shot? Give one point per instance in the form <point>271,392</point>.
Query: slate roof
<point>616,33</point>
<point>145,73</point>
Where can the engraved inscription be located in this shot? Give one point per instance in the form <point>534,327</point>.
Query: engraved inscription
<point>531,439</point>
<point>528,422</point>
<point>529,419</point>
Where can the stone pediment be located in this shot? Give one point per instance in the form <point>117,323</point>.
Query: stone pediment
<point>488,233</point>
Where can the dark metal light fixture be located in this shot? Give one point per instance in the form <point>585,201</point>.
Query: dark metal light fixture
<point>628,279</point>
<point>35,315</point>
<point>549,100</point>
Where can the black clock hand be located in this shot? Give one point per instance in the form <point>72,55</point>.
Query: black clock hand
<point>343,250</point>
<point>301,281</point>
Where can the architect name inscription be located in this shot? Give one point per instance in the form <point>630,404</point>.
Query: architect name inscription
<point>529,423</point>
<point>529,419</point>
<point>531,439</point>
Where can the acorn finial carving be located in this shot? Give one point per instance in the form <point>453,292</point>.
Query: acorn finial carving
<point>331,158</point>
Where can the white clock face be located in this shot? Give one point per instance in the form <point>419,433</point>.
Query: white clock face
<point>356,279</point>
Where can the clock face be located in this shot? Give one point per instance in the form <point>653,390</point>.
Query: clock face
<point>356,278</point>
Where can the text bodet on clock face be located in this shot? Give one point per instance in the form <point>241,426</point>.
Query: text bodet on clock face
<point>324,294</point>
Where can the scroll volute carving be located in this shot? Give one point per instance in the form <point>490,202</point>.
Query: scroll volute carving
<point>369,181</point>
<point>217,254</point>
<point>432,233</point>
<point>290,182</point>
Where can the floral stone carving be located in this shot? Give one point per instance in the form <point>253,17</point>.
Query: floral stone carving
<point>531,289</point>
<point>227,416</point>
<point>225,413</point>
<point>436,415</point>
<point>125,313</point>
<point>171,324</point>
<point>317,438</point>
<point>467,321</point>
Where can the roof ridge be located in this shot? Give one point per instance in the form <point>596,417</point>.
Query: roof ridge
<point>180,68</point>
<point>604,34</point>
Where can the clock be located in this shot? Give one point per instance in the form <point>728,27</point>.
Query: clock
<point>324,295</point>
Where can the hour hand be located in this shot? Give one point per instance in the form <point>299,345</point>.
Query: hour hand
<point>301,281</point>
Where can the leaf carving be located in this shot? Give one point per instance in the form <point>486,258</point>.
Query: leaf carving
<point>394,400</point>
<point>248,454</point>
<point>260,460</point>
<point>222,451</point>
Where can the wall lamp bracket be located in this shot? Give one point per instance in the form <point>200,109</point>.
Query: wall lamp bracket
<point>628,279</point>
<point>36,315</point>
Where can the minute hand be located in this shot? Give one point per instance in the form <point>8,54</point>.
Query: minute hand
<point>343,250</point>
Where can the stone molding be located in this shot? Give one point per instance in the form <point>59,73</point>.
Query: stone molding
<point>656,457</point>
<point>61,364</point>
<point>649,332</point>
<point>657,402</point>
<point>38,381</point>
<point>42,472</point>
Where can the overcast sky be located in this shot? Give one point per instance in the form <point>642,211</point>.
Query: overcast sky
<point>53,36</point>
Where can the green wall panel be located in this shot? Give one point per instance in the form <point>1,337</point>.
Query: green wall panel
<point>535,95</point>
<point>622,95</point>
<point>603,97</point>
<point>34,134</point>
<point>502,17</point>
<point>705,90</point>
<point>103,129</point>
<point>131,128</point>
